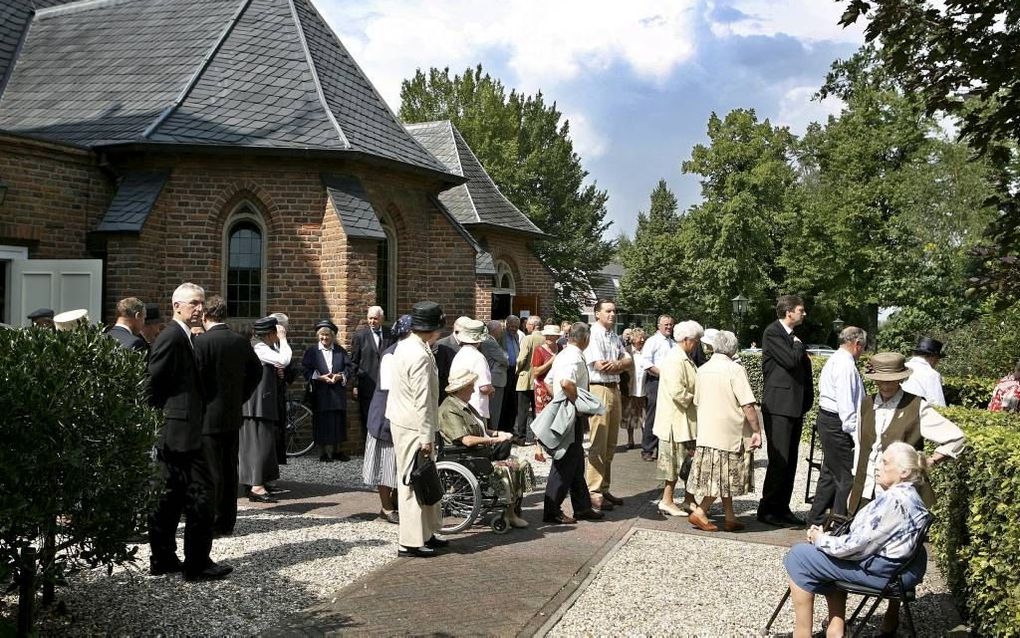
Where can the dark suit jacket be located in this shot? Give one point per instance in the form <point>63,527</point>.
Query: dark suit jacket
<point>174,387</point>
<point>324,395</point>
<point>366,357</point>
<point>230,372</point>
<point>128,339</point>
<point>445,350</point>
<point>789,388</point>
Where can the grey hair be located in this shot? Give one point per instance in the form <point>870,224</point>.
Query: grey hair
<point>638,332</point>
<point>495,325</point>
<point>914,462</point>
<point>186,291</point>
<point>688,330</point>
<point>376,310</point>
<point>578,332</point>
<point>281,319</point>
<point>726,343</point>
<point>322,330</point>
<point>853,334</point>
<point>535,320</point>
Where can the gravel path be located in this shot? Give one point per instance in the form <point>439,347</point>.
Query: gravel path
<point>669,584</point>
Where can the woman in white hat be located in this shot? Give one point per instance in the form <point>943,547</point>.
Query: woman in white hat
<point>471,333</point>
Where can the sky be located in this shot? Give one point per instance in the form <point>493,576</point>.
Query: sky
<point>637,80</point>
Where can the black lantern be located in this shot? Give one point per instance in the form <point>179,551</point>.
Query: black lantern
<point>837,325</point>
<point>739,310</point>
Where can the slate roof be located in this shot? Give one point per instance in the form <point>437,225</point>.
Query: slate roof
<point>606,283</point>
<point>136,195</point>
<point>479,201</point>
<point>352,207</point>
<point>238,73</point>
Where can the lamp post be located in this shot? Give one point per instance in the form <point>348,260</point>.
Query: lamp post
<point>837,327</point>
<point>739,306</point>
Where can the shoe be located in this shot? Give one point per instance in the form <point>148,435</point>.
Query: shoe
<point>415,552</point>
<point>212,572</point>
<point>631,446</point>
<point>222,533</point>
<point>389,517</point>
<point>703,524</point>
<point>161,567</point>
<point>260,498</point>
<point>733,526</point>
<point>436,543</point>
<point>791,520</point>
<point>272,489</point>
<point>340,456</point>
<point>589,515</point>
<point>600,503</point>
<point>325,459</point>
<point>615,500</point>
<point>645,456</point>
<point>771,519</point>
<point>671,510</point>
<point>559,519</point>
<point>515,520</point>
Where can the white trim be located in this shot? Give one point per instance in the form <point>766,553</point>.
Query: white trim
<point>246,211</point>
<point>503,268</point>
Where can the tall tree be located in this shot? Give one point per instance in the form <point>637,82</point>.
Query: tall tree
<point>525,146</point>
<point>649,283</point>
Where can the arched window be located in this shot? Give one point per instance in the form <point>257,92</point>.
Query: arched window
<point>503,281</point>
<point>386,272</point>
<point>245,266</point>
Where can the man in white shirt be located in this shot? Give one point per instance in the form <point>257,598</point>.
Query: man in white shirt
<point>924,380</point>
<point>840,390</point>
<point>606,359</point>
<point>655,350</point>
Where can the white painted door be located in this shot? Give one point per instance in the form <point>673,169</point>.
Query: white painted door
<point>60,284</point>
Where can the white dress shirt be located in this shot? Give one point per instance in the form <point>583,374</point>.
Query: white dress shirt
<point>569,364</point>
<point>603,346</point>
<point>469,358</point>
<point>327,356</point>
<point>655,350</point>
<point>840,389</point>
<point>925,382</point>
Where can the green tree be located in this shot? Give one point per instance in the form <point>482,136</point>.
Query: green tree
<point>650,284</point>
<point>525,146</point>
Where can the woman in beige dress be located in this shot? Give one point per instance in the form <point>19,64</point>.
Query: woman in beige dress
<point>636,402</point>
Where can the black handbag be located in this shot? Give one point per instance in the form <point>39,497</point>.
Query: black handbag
<point>423,479</point>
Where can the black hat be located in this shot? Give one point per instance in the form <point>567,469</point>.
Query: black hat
<point>265,325</point>
<point>326,323</point>
<point>427,316</point>
<point>40,313</point>
<point>152,314</point>
<point>927,345</point>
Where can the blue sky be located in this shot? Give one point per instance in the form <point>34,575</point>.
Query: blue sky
<point>637,80</point>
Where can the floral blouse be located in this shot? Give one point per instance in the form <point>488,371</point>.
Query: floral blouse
<point>890,526</point>
<point>1006,394</point>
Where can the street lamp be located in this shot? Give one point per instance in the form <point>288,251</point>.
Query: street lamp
<point>837,325</point>
<point>739,310</point>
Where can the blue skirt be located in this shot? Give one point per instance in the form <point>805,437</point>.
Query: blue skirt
<point>815,571</point>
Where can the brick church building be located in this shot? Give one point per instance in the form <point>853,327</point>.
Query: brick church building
<point>236,144</point>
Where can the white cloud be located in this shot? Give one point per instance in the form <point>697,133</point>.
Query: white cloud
<point>589,143</point>
<point>807,20</point>
<point>797,109</point>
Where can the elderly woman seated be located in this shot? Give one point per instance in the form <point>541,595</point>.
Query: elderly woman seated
<point>884,534</point>
<point>462,426</point>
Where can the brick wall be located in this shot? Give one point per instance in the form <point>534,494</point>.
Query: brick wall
<point>531,277</point>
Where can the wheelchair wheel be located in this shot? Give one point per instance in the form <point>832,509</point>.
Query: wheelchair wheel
<point>299,428</point>
<point>499,525</point>
<point>462,497</point>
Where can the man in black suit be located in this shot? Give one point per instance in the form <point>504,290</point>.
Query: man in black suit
<point>230,372</point>
<point>130,320</point>
<point>366,353</point>
<point>174,388</point>
<point>788,394</point>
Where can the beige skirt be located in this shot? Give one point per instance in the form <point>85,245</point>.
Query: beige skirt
<point>721,474</point>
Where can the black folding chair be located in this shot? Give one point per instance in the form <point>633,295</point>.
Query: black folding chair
<point>814,465</point>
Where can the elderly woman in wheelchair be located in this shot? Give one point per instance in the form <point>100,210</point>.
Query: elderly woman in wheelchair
<point>884,541</point>
<point>475,466</point>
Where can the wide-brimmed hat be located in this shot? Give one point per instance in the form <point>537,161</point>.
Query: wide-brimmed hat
<point>265,325</point>
<point>40,313</point>
<point>461,379</point>
<point>927,345</point>
<point>427,316</point>
<point>71,319</point>
<point>472,331</point>
<point>323,323</point>
<point>888,366</point>
<point>551,330</point>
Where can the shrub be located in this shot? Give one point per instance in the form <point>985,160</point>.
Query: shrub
<point>752,364</point>
<point>977,530</point>
<point>968,392</point>
<point>74,466</point>
<point>985,347</point>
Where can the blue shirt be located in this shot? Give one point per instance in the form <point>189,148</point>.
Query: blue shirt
<point>512,347</point>
<point>890,526</point>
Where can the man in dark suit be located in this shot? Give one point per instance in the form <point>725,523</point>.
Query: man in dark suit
<point>366,353</point>
<point>174,388</point>
<point>130,320</point>
<point>230,372</point>
<point>788,394</point>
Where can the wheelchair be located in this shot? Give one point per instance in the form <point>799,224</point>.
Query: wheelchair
<point>471,490</point>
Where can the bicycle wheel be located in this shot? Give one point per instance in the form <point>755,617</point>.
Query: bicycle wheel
<point>299,428</point>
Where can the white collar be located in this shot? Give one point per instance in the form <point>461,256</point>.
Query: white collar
<point>893,401</point>
<point>787,328</point>
<point>325,349</point>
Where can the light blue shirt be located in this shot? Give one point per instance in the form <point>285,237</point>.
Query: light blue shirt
<point>890,526</point>
<point>840,389</point>
<point>656,349</point>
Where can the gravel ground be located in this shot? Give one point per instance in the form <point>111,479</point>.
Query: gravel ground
<point>669,584</point>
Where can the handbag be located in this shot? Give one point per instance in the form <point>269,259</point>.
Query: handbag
<point>423,479</point>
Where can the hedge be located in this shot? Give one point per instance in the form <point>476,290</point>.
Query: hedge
<point>977,531</point>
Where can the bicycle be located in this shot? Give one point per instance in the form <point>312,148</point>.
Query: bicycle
<point>299,428</point>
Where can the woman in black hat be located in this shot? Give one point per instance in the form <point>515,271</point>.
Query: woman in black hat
<point>327,369</point>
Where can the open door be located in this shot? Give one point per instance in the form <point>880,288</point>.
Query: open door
<point>60,284</point>
<point>526,303</point>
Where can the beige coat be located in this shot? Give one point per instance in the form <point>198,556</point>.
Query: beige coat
<point>413,402</point>
<point>525,380</point>
<point>676,416</point>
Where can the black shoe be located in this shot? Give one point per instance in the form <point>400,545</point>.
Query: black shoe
<point>791,520</point>
<point>325,459</point>
<point>272,489</point>
<point>436,543</point>
<point>212,572</point>
<point>390,517</point>
<point>221,533</point>
<point>161,567</point>
<point>771,519</point>
<point>260,498</point>
<point>559,519</point>
<point>417,552</point>
<point>340,456</point>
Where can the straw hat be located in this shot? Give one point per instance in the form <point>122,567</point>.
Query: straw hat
<point>472,331</point>
<point>551,330</point>
<point>71,319</point>
<point>888,366</point>
<point>461,379</point>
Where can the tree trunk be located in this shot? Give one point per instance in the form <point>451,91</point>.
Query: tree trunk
<point>26,592</point>
<point>49,557</point>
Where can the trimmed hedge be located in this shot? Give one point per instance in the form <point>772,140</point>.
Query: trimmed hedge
<point>977,531</point>
<point>969,391</point>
